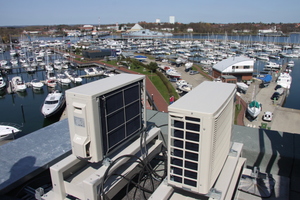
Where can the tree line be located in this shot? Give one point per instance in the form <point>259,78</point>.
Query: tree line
<point>197,27</point>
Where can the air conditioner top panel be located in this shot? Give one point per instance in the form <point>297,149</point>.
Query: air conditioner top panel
<point>105,85</point>
<point>206,98</point>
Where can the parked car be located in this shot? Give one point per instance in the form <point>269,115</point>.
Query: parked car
<point>277,87</point>
<point>267,116</point>
<point>275,96</point>
<point>192,72</point>
<point>173,79</point>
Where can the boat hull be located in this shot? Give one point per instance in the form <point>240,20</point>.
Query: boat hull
<point>8,132</point>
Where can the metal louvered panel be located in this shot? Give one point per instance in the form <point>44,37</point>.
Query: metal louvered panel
<point>200,126</point>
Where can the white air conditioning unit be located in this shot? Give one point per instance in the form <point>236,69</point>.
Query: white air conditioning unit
<point>105,114</point>
<point>200,125</point>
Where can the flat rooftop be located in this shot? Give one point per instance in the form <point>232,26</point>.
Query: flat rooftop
<point>274,152</point>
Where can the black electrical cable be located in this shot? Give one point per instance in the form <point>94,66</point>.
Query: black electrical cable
<point>105,176</point>
<point>146,172</point>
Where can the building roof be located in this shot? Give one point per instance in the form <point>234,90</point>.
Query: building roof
<point>235,60</point>
<point>274,152</point>
<point>136,27</point>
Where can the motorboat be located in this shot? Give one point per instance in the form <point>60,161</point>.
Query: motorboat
<point>3,63</point>
<point>51,83</point>
<point>13,52</point>
<point>188,66</point>
<point>18,84</point>
<point>64,66</point>
<point>8,130</point>
<point>22,60</point>
<point>208,62</point>
<point>285,80</point>
<point>73,76</point>
<point>173,73</point>
<point>30,69</point>
<point>180,60</point>
<point>49,67</point>
<point>57,64</point>
<point>14,61</point>
<point>2,83</point>
<point>39,58</point>
<point>51,75</point>
<point>254,108</point>
<point>181,82</point>
<point>25,64</point>
<point>291,63</point>
<point>98,70</point>
<point>264,57</point>
<point>90,71</point>
<point>242,87</point>
<point>53,103</point>
<point>36,84</point>
<point>140,58</point>
<point>183,86</point>
<point>272,66</point>
<point>108,73</point>
<point>63,79</point>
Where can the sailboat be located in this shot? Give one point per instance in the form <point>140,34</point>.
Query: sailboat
<point>254,107</point>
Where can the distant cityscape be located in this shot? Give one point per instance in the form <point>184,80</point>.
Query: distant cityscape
<point>172,26</point>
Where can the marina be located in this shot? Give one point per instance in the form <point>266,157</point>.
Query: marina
<point>110,101</point>
<point>24,107</point>
<point>61,133</point>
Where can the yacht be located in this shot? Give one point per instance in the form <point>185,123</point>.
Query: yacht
<point>285,80</point>
<point>53,103</point>
<point>8,130</point>
<point>18,85</point>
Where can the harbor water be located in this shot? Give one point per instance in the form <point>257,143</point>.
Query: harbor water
<point>25,108</point>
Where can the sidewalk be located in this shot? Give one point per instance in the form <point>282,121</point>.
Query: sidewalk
<point>158,99</point>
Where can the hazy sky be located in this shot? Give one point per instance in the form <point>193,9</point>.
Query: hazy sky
<point>54,12</point>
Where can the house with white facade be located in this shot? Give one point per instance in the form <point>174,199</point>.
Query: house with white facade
<point>241,67</point>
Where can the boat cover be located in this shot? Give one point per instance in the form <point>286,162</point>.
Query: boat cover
<point>254,104</point>
<point>267,78</point>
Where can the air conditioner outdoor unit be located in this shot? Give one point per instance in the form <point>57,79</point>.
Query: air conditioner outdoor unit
<point>105,114</point>
<point>200,125</point>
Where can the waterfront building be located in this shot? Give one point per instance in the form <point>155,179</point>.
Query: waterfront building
<point>241,67</point>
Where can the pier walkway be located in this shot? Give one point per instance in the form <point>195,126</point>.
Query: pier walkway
<point>284,119</point>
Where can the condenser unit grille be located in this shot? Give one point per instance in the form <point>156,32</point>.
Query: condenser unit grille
<point>184,150</point>
<point>220,145</point>
<point>121,115</point>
